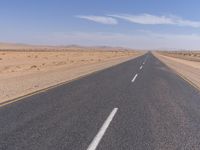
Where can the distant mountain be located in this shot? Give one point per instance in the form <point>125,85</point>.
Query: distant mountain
<point>17,46</point>
<point>28,47</point>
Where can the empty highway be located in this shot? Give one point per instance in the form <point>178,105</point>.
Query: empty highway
<point>137,105</point>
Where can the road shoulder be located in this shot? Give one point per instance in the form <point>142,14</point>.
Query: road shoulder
<point>188,70</point>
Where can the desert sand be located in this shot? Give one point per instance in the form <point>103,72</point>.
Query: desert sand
<point>186,55</point>
<point>189,70</point>
<point>24,72</point>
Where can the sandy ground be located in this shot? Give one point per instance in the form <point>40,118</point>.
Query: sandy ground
<point>22,73</point>
<point>190,70</point>
<point>192,56</point>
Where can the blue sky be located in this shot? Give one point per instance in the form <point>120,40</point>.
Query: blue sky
<point>149,24</point>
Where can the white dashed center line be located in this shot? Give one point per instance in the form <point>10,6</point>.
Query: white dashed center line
<point>93,145</point>
<point>145,60</point>
<point>134,78</point>
<point>141,67</point>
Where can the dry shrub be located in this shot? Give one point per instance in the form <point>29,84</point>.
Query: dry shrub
<point>34,66</point>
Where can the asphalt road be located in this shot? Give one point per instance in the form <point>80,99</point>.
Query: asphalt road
<point>126,107</point>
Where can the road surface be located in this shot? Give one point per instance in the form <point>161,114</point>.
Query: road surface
<point>140,104</point>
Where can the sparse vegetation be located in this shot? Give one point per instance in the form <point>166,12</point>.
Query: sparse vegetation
<point>34,66</point>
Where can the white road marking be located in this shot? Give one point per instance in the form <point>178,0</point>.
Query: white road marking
<point>145,60</point>
<point>141,67</point>
<point>93,145</point>
<point>134,78</point>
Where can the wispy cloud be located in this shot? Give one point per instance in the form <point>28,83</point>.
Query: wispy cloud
<point>100,19</point>
<point>149,19</point>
